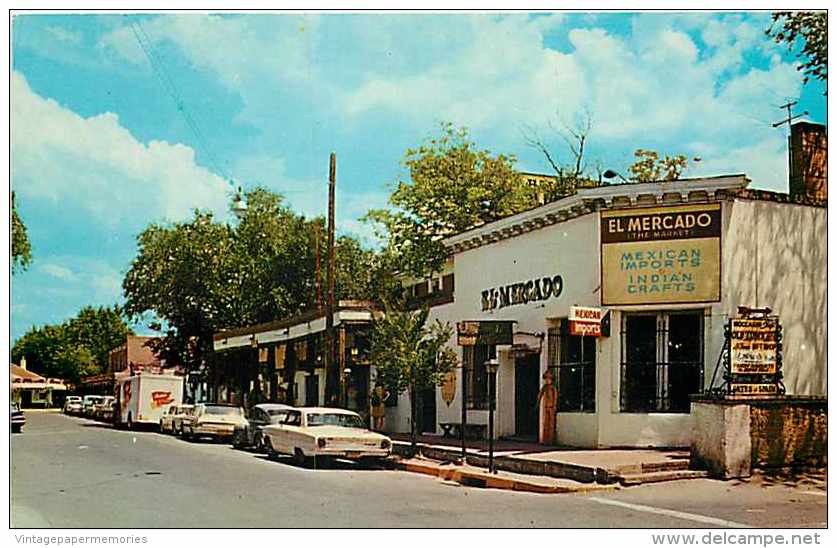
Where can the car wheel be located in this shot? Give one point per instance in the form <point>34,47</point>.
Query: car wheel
<point>16,428</point>
<point>184,433</point>
<point>271,453</point>
<point>299,457</point>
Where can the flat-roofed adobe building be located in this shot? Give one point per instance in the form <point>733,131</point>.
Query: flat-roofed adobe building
<point>670,262</point>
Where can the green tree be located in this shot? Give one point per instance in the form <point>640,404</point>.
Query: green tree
<point>21,249</point>
<point>75,348</point>
<point>453,186</point>
<point>649,167</point>
<point>410,355</point>
<point>201,276</point>
<point>99,330</point>
<point>810,28</point>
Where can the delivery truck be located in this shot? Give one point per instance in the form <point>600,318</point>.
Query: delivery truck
<point>142,398</point>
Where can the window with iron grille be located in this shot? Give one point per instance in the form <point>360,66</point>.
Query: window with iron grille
<point>572,360</point>
<point>474,358</point>
<point>662,361</point>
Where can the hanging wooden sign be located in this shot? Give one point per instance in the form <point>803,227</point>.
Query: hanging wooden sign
<point>448,387</point>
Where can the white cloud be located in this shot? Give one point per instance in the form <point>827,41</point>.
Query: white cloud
<point>672,80</point>
<point>57,271</point>
<point>95,165</point>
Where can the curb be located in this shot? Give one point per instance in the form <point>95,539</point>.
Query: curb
<point>484,480</point>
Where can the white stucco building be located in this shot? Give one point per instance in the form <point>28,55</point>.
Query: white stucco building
<point>671,262</point>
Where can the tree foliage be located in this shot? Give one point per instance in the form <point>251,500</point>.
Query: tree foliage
<point>76,348</point>
<point>21,248</point>
<point>649,167</point>
<point>809,27</point>
<point>453,186</point>
<point>409,354</point>
<point>202,276</point>
<point>571,173</point>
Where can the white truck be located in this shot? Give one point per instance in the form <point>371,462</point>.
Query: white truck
<point>142,398</point>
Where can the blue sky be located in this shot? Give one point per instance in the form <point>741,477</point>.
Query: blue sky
<point>100,149</point>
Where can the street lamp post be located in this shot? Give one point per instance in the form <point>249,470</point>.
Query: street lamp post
<point>491,368</point>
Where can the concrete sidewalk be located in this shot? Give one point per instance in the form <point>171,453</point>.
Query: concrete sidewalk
<point>472,476</point>
<point>603,466</point>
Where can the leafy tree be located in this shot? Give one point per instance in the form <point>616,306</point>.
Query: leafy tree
<point>201,276</point>
<point>809,27</point>
<point>453,186</point>
<point>649,167</point>
<point>21,249</point>
<point>75,348</point>
<point>410,355</point>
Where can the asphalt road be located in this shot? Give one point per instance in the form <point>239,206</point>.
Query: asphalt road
<point>72,472</point>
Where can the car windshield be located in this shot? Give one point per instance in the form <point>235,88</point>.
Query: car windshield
<point>273,412</point>
<point>334,419</point>
<point>212,410</point>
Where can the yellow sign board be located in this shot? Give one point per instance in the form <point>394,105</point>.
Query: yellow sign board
<point>661,255</point>
<point>760,389</point>
<point>753,346</point>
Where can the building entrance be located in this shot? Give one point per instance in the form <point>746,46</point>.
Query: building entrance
<point>526,388</point>
<point>427,411</point>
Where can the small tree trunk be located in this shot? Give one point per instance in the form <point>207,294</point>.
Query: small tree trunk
<point>413,413</point>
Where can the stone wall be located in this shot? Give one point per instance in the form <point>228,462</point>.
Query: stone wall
<point>790,432</point>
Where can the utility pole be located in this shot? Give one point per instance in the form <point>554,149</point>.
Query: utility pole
<point>790,118</point>
<point>333,375</point>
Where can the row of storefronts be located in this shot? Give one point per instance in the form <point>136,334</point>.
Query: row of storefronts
<point>664,266</point>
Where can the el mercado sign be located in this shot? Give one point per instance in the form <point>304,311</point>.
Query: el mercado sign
<point>661,255</point>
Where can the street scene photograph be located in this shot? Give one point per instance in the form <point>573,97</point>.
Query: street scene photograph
<point>418,270</point>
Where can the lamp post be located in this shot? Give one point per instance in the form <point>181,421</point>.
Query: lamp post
<point>491,368</point>
<point>610,174</point>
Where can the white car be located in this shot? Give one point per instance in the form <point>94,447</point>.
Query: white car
<point>72,405</point>
<point>212,420</point>
<point>310,433</point>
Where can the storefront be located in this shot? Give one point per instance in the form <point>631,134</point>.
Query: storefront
<point>666,264</point>
<point>284,361</point>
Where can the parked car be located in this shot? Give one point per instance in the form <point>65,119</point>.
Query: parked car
<point>87,404</point>
<point>310,433</point>
<point>16,418</point>
<point>166,421</point>
<point>184,412</point>
<point>108,410</point>
<point>212,420</point>
<point>72,405</point>
<point>103,406</point>
<point>250,433</point>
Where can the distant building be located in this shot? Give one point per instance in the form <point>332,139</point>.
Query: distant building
<point>32,390</point>
<point>135,354</point>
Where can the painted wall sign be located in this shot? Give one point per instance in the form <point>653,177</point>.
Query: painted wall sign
<point>661,255</point>
<point>538,289</point>
<point>753,346</point>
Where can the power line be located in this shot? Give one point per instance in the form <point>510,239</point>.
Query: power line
<point>159,69</point>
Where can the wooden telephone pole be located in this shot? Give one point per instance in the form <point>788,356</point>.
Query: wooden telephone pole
<point>333,376</point>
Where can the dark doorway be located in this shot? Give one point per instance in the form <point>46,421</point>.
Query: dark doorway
<point>526,388</point>
<point>312,390</point>
<point>640,369</point>
<point>427,410</point>
<point>26,398</point>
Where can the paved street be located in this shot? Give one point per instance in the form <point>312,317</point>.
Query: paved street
<point>72,472</point>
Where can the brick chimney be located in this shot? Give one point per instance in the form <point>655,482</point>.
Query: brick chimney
<point>808,161</point>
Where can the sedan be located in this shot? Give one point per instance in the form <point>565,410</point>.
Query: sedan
<point>16,418</point>
<point>250,433</point>
<point>217,421</point>
<point>72,405</point>
<point>310,433</point>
